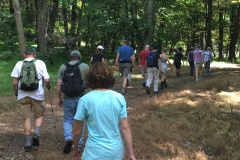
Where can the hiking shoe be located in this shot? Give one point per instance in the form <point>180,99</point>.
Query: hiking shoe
<point>147,90</point>
<point>144,84</point>
<point>206,74</point>
<point>68,146</point>
<point>27,148</point>
<point>35,140</point>
<point>196,79</point>
<point>123,91</point>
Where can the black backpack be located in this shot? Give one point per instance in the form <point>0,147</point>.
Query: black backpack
<point>72,83</point>
<point>28,76</point>
<point>152,59</point>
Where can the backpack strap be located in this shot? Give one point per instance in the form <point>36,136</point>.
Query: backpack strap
<point>33,60</point>
<point>67,64</point>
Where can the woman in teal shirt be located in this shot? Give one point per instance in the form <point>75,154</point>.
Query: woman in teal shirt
<point>105,113</point>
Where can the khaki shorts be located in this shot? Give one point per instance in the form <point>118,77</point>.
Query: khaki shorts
<point>27,105</point>
<point>198,64</point>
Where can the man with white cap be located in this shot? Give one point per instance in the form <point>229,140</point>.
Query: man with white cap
<point>70,100</point>
<point>98,56</point>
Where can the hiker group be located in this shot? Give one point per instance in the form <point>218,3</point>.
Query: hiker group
<point>102,110</point>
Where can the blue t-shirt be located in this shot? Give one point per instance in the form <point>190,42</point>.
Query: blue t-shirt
<point>102,111</point>
<point>125,53</point>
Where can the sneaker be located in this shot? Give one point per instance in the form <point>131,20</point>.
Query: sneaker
<point>123,91</point>
<point>147,90</point>
<point>200,79</point>
<point>68,146</point>
<point>144,84</point>
<point>196,79</point>
<point>206,74</point>
<point>27,148</point>
<point>35,140</point>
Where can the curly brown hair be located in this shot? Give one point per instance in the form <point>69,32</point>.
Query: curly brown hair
<point>100,76</point>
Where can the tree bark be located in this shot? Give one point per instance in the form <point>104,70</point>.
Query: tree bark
<point>42,27</point>
<point>209,25</point>
<point>220,43</point>
<point>234,35</point>
<point>137,34</point>
<point>150,22</point>
<point>18,18</point>
<point>53,17</point>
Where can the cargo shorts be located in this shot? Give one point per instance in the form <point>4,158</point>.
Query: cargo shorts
<point>27,105</point>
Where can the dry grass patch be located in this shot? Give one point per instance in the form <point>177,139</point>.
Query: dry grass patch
<point>198,121</point>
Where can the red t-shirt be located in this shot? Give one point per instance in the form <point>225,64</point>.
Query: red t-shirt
<point>143,56</point>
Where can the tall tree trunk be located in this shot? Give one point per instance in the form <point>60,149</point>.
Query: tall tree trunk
<point>209,25</point>
<point>234,35</point>
<point>80,12</point>
<point>65,18</point>
<point>136,28</point>
<point>220,43</point>
<point>72,38</point>
<point>150,21</point>
<point>18,18</point>
<point>11,9</point>
<point>53,17</point>
<point>42,27</point>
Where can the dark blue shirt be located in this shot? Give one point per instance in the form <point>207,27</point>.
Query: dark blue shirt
<point>190,56</point>
<point>97,57</point>
<point>152,59</point>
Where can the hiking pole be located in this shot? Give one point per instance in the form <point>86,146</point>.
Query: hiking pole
<point>54,120</point>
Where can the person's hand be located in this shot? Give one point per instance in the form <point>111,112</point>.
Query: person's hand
<point>60,102</point>
<point>132,157</point>
<point>76,154</point>
<point>49,87</point>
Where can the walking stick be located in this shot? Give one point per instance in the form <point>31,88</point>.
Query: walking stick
<point>54,120</point>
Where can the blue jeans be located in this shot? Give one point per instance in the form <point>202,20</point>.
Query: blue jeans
<point>70,108</point>
<point>207,67</point>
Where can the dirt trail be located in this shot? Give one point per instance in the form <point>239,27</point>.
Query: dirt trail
<point>11,129</point>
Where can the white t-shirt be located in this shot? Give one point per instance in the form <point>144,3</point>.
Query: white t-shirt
<point>42,75</point>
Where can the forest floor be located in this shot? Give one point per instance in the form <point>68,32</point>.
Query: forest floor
<point>189,120</point>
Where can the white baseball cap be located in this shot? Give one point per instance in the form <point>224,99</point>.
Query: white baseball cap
<point>100,47</point>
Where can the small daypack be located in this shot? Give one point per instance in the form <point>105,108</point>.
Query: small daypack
<point>72,83</point>
<point>28,76</point>
<point>152,59</point>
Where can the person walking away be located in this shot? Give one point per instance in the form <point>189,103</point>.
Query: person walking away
<point>164,58</point>
<point>191,60</point>
<point>177,61</point>
<point>198,62</point>
<point>126,58</point>
<point>142,58</point>
<point>153,65</point>
<point>29,76</point>
<point>207,60</point>
<point>105,116</point>
<point>98,56</point>
<point>71,83</point>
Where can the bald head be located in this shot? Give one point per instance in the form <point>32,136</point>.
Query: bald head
<point>147,47</point>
